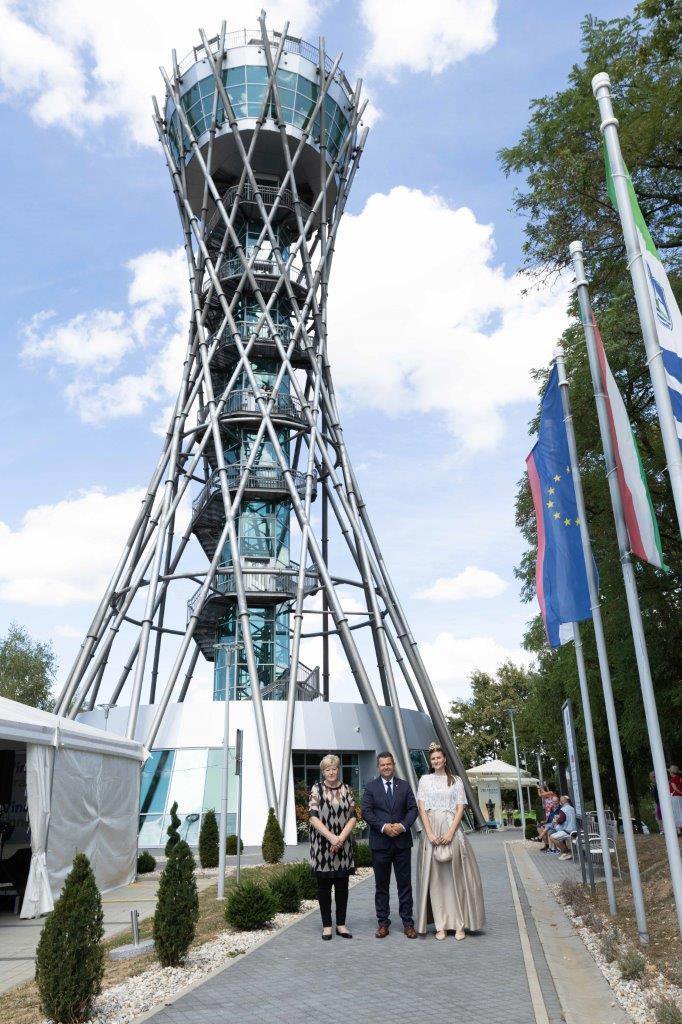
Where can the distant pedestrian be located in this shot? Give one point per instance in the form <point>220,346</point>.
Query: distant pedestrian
<point>653,790</point>
<point>675,781</point>
<point>331,809</point>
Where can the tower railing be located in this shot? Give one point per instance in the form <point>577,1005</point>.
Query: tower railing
<point>253,37</point>
<point>259,478</point>
<point>247,194</point>
<point>243,401</point>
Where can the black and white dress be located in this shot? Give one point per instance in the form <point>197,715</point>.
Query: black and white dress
<point>334,806</point>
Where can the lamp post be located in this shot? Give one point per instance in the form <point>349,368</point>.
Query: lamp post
<point>518,773</point>
<point>230,650</point>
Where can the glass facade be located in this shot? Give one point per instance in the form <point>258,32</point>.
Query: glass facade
<point>246,87</point>
<point>270,633</point>
<point>192,778</point>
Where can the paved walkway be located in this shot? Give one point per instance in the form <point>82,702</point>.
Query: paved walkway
<point>295,977</point>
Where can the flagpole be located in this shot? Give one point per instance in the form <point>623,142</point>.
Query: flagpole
<point>601,87</point>
<point>635,613</point>
<point>605,673</point>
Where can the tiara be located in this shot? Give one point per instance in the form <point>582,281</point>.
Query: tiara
<point>434,746</point>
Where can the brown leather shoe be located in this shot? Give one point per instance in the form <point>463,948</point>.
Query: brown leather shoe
<point>381,932</point>
<point>409,932</point>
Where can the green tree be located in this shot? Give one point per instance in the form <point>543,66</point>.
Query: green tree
<point>177,907</point>
<point>564,197</point>
<point>208,840</point>
<point>70,956</point>
<point>481,725</point>
<point>173,829</point>
<point>273,840</point>
<point>27,669</point>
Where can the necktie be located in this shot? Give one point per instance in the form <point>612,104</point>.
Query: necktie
<point>389,792</point>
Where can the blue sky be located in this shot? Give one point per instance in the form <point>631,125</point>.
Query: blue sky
<point>436,419</point>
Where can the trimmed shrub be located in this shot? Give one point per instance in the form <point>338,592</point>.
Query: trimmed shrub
<point>145,863</point>
<point>208,841</point>
<point>517,822</point>
<point>305,876</point>
<point>273,840</point>
<point>177,907</point>
<point>172,830</point>
<point>250,906</point>
<point>70,956</point>
<point>285,887</point>
<point>531,830</point>
<point>666,1011</point>
<point>631,965</point>
<point>363,855</point>
<point>231,846</point>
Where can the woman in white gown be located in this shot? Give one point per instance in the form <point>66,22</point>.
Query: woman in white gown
<point>450,891</point>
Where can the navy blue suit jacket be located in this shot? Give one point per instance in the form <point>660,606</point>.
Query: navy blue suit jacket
<point>377,811</point>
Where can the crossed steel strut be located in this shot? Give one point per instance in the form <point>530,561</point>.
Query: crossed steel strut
<point>151,557</point>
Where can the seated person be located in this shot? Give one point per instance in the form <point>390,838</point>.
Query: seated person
<point>550,822</point>
<point>560,837</point>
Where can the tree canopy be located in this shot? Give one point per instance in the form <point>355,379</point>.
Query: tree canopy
<point>27,669</point>
<point>563,197</point>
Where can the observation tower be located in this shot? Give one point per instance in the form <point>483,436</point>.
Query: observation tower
<point>262,136</point>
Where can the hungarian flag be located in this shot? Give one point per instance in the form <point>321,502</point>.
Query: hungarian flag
<point>667,314</point>
<point>640,517</point>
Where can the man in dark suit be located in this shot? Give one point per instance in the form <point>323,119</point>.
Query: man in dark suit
<point>390,810</point>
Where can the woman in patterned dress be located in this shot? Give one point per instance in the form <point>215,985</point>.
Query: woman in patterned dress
<point>332,818</point>
<point>450,892</point>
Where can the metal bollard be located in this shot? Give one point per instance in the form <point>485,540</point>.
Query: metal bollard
<point>135,926</point>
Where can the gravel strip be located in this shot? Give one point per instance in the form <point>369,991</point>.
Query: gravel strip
<point>637,997</point>
<point>123,1003</point>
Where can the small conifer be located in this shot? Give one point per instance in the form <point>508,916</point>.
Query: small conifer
<point>70,956</point>
<point>208,840</point>
<point>173,829</point>
<point>273,840</point>
<point>177,907</point>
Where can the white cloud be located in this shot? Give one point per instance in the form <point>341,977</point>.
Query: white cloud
<point>429,36</point>
<point>65,553</point>
<point>422,320</point>
<point>145,343</point>
<point>78,64</point>
<point>450,660</point>
<point>471,582</point>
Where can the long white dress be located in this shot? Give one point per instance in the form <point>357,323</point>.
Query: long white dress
<point>450,892</point>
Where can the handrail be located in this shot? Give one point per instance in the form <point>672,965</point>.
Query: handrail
<point>252,37</point>
<point>247,194</point>
<point>243,400</point>
<point>266,581</point>
<point>260,477</point>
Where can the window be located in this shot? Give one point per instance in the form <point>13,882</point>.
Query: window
<point>246,88</point>
<point>306,768</point>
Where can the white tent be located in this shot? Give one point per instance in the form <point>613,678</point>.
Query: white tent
<point>499,771</point>
<point>82,789</point>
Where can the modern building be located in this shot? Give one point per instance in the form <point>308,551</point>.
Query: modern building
<point>262,134</point>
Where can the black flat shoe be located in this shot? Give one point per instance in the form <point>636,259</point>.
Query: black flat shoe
<point>343,935</point>
<point>326,938</point>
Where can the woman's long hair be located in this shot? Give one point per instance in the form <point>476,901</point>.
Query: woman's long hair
<point>435,748</point>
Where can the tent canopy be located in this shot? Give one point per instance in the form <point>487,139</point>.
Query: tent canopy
<point>501,772</point>
<point>23,724</point>
<point>82,791</point>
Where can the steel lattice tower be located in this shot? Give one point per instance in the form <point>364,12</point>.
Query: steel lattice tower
<point>262,136</point>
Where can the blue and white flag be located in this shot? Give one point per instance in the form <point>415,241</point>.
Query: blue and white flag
<point>560,575</point>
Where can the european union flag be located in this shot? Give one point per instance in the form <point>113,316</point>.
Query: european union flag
<point>560,576</point>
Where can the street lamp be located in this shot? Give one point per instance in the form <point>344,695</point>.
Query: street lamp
<point>518,773</point>
<point>230,650</point>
